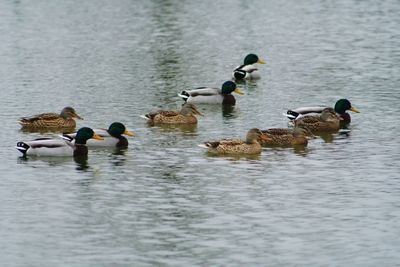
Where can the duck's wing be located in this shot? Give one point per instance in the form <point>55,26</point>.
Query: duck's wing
<point>248,68</point>
<point>302,111</point>
<point>277,131</point>
<point>308,119</point>
<point>43,116</point>
<point>200,91</point>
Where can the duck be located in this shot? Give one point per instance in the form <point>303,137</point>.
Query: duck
<point>285,136</point>
<point>341,106</point>
<point>248,71</point>
<point>51,120</point>
<point>328,121</point>
<point>187,115</point>
<point>210,95</point>
<point>236,146</point>
<point>53,147</point>
<point>111,137</point>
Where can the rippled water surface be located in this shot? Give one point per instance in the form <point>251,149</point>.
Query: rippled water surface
<point>163,201</point>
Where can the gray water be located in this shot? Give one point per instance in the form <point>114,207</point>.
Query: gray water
<point>163,201</point>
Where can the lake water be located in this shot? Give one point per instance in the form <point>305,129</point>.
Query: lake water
<point>163,201</point>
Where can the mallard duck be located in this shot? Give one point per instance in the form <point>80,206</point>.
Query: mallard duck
<point>235,145</point>
<point>51,120</point>
<point>327,121</point>
<point>212,95</point>
<point>187,115</point>
<point>58,147</point>
<point>341,106</point>
<point>285,136</point>
<point>248,71</point>
<point>111,137</point>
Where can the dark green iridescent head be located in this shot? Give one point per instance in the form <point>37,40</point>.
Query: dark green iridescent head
<point>229,87</point>
<point>116,129</point>
<point>83,135</point>
<point>252,58</point>
<point>342,105</point>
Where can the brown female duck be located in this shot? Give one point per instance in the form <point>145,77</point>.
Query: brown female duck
<point>236,146</point>
<point>51,120</point>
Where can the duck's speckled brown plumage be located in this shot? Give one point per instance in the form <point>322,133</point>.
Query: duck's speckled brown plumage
<point>237,146</point>
<point>328,121</point>
<point>284,137</point>
<point>51,120</point>
<point>187,115</point>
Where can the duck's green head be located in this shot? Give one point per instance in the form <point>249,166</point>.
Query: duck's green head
<point>69,112</point>
<point>229,87</point>
<point>116,129</point>
<point>342,105</point>
<point>84,134</point>
<point>253,58</point>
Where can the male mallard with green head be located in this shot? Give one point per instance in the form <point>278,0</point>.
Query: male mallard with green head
<point>51,120</point>
<point>248,71</point>
<point>209,95</point>
<point>58,147</point>
<point>236,146</point>
<point>111,137</point>
<point>341,106</point>
<point>187,115</point>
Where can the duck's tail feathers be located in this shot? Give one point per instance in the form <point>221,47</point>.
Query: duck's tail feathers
<point>184,95</point>
<point>239,74</point>
<point>202,145</point>
<point>292,115</point>
<point>22,147</point>
<point>144,117</point>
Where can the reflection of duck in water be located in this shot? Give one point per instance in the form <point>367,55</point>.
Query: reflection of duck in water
<point>50,121</point>
<point>209,95</point>
<point>236,145</point>
<point>285,136</point>
<point>187,115</point>
<point>341,106</point>
<point>112,137</point>
<point>248,71</point>
<point>58,147</point>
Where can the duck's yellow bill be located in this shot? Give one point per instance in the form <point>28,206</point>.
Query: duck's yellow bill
<point>97,137</point>
<point>238,91</point>
<point>128,133</point>
<point>354,110</point>
<point>260,61</point>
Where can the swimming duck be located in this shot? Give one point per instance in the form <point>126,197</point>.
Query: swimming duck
<point>58,147</point>
<point>212,95</point>
<point>235,145</point>
<point>341,106</point>
<point>187,115</point>
<point>111,137</point>
<point>248,71</point>
<point>327,121</point>
<point>285,136</point>
<point>51,120</point>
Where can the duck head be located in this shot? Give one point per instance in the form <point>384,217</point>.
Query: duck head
<point>229,87</point>
<point>117,129</point>
<point>342,105</point>
<point>69,112</point>
<point>84,134</point>
<point>253,58</point>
